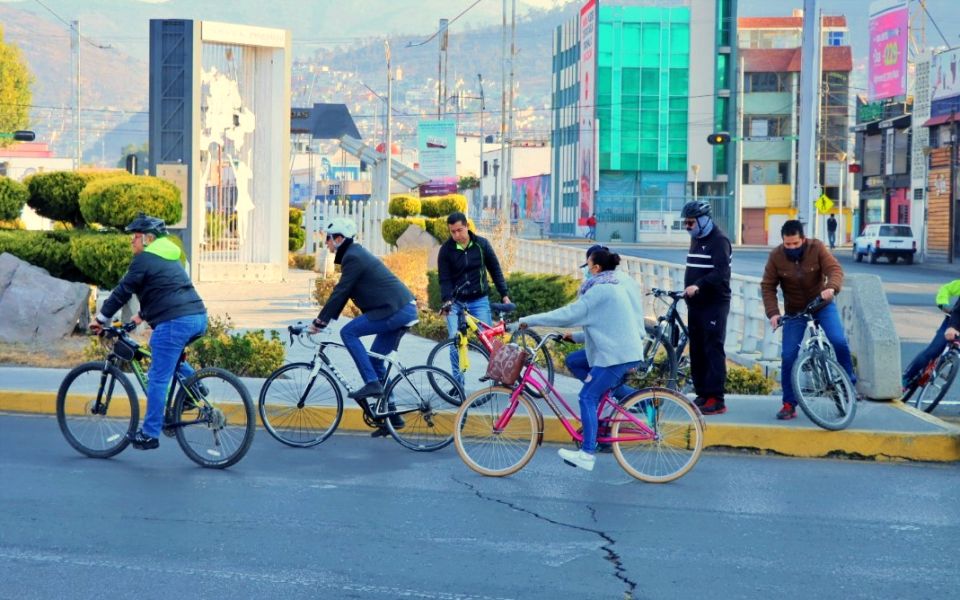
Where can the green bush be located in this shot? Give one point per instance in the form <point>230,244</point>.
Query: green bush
<point>743,380</point>
<point>438,229</point>
<point>321,293</point>
<point>250,354</point>
<point>56,194</point>
<point>103,258</point>
<point>216,226</point>
<point>307,262</point>
<point>13,195</point>
<point>297,234</point>
<point>393,228</point>
<point>48,250</point>
<point>532,293</point>
<point>404,206</point>
<point>431,326</point>
<point>12,224</point>
<point>451,203</point>
<point>115,201</point>
<point>430,207</point>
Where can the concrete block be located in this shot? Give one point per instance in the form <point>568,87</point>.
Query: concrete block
<point>873,338</point>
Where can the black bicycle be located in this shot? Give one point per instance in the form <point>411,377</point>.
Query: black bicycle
<point>210,412</point>
<point>669,334</point>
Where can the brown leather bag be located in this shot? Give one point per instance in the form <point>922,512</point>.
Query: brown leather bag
<point>506,362</point>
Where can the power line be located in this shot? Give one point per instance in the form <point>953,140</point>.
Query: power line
<point>923,5</point>
<point>72,28</point>
<point>447,26</point>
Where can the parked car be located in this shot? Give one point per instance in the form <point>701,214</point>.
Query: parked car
<point>893,241</point>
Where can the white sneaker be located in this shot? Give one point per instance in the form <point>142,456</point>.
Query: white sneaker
<point>577,458</point>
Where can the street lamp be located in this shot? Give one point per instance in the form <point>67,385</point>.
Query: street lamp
<point>496,190</point>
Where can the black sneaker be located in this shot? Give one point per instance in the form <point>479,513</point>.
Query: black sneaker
<point>142,441</point>
<point>369,389</point>
<point>381,431</point>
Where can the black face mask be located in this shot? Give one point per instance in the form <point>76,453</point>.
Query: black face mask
<point>794,254</point>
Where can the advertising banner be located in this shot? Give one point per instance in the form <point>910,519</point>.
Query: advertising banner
<point>437,150</point>
<point>944,75</point>
<point>588,67</point>
<point>887,64</point>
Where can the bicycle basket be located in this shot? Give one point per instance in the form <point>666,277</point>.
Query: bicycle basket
<point>506,362</point>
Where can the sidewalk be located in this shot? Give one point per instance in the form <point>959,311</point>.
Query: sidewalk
<point>881,430</point>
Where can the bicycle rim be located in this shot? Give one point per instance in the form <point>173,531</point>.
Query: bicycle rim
<point>824,391</point>
<point>496,453</point>
<point>295,416</point>
<point>941,380</point>
<point>427,415</point>
<point>676,444</point>
<point>104,434</point>
<point>445,356</point>
<point>215,430</point>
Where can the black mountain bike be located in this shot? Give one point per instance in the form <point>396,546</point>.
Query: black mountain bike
<point>210,413</point>
<point>669,332</point>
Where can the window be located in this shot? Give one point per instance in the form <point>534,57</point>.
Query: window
<point>766,172</point>
<point>768,125</point>
<point>766,82</point>
<point>896,231</point>
<point>872,155</point>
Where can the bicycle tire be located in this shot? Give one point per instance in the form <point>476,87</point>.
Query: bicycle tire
<point>945,372</point>
<point>102,435</point>
<point>679,436</point>
<point>441,358</point>
<point>280,407</point>
<point>428,414</point>
<point>543,359</point>
<point>219,425</point>
<point>831,403</point>
<point>497,454</point>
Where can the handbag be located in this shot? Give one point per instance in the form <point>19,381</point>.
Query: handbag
<point>506,362</point>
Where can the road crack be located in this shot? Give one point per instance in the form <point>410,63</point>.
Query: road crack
<point>610,554</point>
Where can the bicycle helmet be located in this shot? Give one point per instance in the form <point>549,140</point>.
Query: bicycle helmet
<point>341,226</point>
<point>143,223</point>
<point>695,209</point>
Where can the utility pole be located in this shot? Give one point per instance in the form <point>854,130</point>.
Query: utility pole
<point>809,106</point>
<point>503,106</point>
<point>508,166</point>
<point>482,107</point>
<point>75,51</point>
<point>738,217</point>
<point>387,147</point>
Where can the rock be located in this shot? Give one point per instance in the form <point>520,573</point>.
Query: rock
<point>37,307</point>
<point>416,238</point>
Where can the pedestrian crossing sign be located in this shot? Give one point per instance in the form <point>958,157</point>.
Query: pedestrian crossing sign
<point>823,204</point>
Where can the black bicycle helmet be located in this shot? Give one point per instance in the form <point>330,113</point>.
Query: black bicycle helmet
<point>143,223</point>
<point>695,209</point>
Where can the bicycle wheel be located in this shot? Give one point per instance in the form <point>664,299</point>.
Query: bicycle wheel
<point>677,439</point>
<point>96,408</point>
<point>427,414</point>
<point>824,391</point>
<point>216,429</point>
<point>491,452</point>
<point>300,410</point>
<point>528,338</point>
<point>941,379</point>
<point>446,357</point>
<point>664,370</point>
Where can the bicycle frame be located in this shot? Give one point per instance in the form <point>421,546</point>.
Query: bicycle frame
<point>467,324</point>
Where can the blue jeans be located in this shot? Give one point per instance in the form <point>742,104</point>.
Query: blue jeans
<point>577,363</point>
<point>598,382</point>
<point>166,345</point>
<point>829,319</point>
<point>933,350</point>
<point>480,308</point>
<point>387,331</point>
<point>832,237</point>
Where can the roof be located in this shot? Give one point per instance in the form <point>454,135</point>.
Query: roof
<point>27,149</point>
<point>398,171</point>
<point>779,60</point>
<point>787,22</point>
<point>942,119</point>
<point>324,122</point>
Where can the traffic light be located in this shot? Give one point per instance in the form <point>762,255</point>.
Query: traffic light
<point>718,138</point>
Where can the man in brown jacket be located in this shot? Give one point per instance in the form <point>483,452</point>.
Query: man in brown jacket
<point>804,269</point>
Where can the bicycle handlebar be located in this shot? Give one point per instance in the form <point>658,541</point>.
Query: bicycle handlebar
<point>300,330</point>
<point>658,293</point>
<point>115,330</point>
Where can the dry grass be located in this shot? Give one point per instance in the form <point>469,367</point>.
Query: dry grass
<point>504,241</point>
<point>66,353</point>
<point>410,267</point>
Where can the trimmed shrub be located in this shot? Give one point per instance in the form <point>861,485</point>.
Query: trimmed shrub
<point>48,250</point>
<point>307,262</point>
<point>13,195</point>
<point>743,380</point>
<point>431,326</point>
<point>250,354</point>
<point>115,201</point>
<point>430,207</point>
<point>393,228</point>
<point>297,234</point>
<point>438,229</point>
<point>532,293</point>
<point>55,195</point>
<point>103,258</point>
<point>452,203</point>
<point>404,206</point>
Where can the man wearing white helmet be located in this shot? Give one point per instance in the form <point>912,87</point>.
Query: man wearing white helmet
<point>387,306</point>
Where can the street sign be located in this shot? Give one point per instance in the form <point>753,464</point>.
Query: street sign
<point>824,204</point>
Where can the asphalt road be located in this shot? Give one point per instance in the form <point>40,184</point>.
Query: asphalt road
<point>363,518</point>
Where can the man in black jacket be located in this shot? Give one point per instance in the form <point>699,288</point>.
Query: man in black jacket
<point>707,287</point>
<point>169,303</point>
<point>387,306</point>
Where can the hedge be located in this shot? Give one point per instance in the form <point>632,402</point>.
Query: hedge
<point>404,206</point>
<point>393,228</point>
<point>115,201</point>
<point>13,195</point>
<point>430,207</point>
<point>452,203</point>
<point>103,258</point>
<point>48,250</point>
<point>55,195</point>
<point>532,293</point>
<point>250,354</point>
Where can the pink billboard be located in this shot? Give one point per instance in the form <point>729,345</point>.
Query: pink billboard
<point>586,166</point>
<point>887,64</point>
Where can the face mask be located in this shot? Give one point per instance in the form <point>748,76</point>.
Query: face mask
<point>587,273</point>
<point>793,254</point>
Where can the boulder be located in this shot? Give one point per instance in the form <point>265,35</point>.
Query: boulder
<point>414,237</point>
<point>37,307</point>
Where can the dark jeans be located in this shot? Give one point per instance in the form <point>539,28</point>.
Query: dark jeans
<point>598,382</point>
<point>793,330</point>
<point>166,344</point>
<point>933,350</point>
<point>387,331</point>
<point>708,361</point>
<point>576,362</point>
<point>479,308</point>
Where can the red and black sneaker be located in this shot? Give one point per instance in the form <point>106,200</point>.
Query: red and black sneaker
<point>789,411</point>
<point>713,406</point>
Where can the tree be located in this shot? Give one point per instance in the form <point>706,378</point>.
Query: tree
<point>15,94</point>
<point>143,157</point>
<point>468,182</point>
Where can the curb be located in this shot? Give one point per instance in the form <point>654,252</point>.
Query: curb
<point>802,442</point>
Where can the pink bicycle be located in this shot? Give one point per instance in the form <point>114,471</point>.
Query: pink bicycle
<point>656,433</point>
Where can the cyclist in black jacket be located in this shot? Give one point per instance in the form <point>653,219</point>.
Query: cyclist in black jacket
<point>169,303</point>
<point>707,286</point>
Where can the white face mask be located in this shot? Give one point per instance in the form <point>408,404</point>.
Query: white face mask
<point>587,273</point>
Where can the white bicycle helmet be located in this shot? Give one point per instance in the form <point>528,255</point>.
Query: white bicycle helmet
<point>345,227</point>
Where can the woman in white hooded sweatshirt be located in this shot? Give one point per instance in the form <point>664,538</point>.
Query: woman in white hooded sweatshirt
<point>611,337</point>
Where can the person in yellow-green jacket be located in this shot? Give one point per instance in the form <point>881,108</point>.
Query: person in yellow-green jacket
<point>947,296</point>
